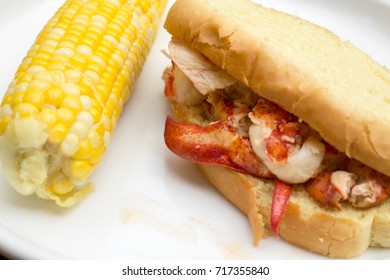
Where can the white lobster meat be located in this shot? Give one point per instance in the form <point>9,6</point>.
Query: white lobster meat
<point>205,76</point>
<point>276,139</point>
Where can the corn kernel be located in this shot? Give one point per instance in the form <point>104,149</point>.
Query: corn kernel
<point>114,118</point>
<point>85,90</point>
<point>9,91</point>
<point>47,48</point>
<point>21,87</point>
<point>58,133</point>
<point>92,76</point>
<point>97,154</point>
<point>71,88</point>
<point>74,32</point>
<point>111,39</point>
<point>65,116</point>
<point>23,67</point>
<point>95,67</point>
<point>66,51</point>
<point>109,108</point>
<point>48,116</point>
<point>107,81</point>
<point>84,50</point>
<point>70,144</point>
<point>91,40</point>
<point>35,97</point>
<point>86,102</point>
<point>54,95</point>
<point>48,45</point>
<point>81,20</point>
<point>123,46</point>
<point>34,69</point>
<point>107,138</point>
<point>62,25</point>
<point>100,129</point>
<point>5,110</point>
<point>37,60</point>
<point>96,114</point>
<point>72,102</point>
<point>73,76</point>
<point>23,78</point>
<point>7,99</point>
<point>78,61</point>
<point>57,66</point>
<point>58,77</point>
<point>80,169</point>
<point>71,40</point>
<point>99,21</point>
<point>107,9</point>
<point>86,118</point>
<point>106,47</point>
<point>145,6</point>
<point>106,121</point>
<point>114,29</point>
<point>3,123</point>
<point>116,60</point>
<point>56,34</point>
<point>44,75</point>
<point>84,151</point>
<point>103,51</point>
<point>93,138</point>
<point>79,129</point>
<point>61,184</point>
<point>102,91</point>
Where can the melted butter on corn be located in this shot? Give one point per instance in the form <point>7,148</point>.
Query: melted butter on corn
<point>59,111</point>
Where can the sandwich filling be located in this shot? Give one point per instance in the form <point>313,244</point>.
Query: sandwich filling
<point>240,130</point>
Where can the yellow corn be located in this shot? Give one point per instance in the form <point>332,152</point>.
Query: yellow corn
<point>58,113</point>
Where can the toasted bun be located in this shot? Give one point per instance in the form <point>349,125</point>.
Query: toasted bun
<point>304,68</point>
<point>338,234</point>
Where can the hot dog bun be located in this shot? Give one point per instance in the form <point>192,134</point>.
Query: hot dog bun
<point>311,73</point>
<point>304,68</point>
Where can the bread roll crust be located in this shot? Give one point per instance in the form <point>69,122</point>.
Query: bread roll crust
<point>306,226</point>
<point>307,70</point>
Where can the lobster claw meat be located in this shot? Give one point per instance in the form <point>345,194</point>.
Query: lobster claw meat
<point>216,143</point>
<point>281,196</point>
<point>322,190</point>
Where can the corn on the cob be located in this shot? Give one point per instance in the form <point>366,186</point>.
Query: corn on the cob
<point>58,113</point>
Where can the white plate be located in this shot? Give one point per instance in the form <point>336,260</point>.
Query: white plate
<point>149,204</point>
